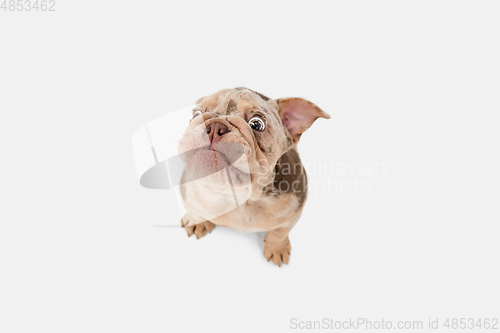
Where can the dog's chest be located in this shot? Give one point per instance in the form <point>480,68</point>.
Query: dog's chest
<point>260,215</point>
<point>235,211</point>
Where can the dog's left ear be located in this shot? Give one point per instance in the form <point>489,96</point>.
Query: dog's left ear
<point>298,114</point>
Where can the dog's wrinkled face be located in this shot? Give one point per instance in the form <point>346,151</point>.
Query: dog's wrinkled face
<point>236,136</point>
<point>236,131</point>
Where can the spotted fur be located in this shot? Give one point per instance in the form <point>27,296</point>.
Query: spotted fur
<point>278,181</point>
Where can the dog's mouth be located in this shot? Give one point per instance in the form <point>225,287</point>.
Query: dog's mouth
<point>221,156</point>
<point>212,160</point>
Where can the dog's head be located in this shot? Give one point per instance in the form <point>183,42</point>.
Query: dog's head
<point>243,134</point>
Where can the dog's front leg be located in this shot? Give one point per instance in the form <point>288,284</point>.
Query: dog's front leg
<point>196,225</point>
<point>277,245</point>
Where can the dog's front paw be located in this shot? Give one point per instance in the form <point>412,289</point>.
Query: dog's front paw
<point>200,229</point>
<point>278,252</point>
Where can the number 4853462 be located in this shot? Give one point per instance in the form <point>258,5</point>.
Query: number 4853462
<point>28,5</point>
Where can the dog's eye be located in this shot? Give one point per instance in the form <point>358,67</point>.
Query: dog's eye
<point>196,114</point>
<point>257,124</point>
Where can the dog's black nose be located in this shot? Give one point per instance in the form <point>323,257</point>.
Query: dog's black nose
<point>215,130</point>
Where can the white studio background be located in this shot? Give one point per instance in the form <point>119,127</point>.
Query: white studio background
<point>411,86</point>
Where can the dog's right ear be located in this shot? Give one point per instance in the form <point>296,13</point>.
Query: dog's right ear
<point>298,114</point>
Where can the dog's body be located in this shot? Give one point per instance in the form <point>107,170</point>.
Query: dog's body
<point>242,167</point>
